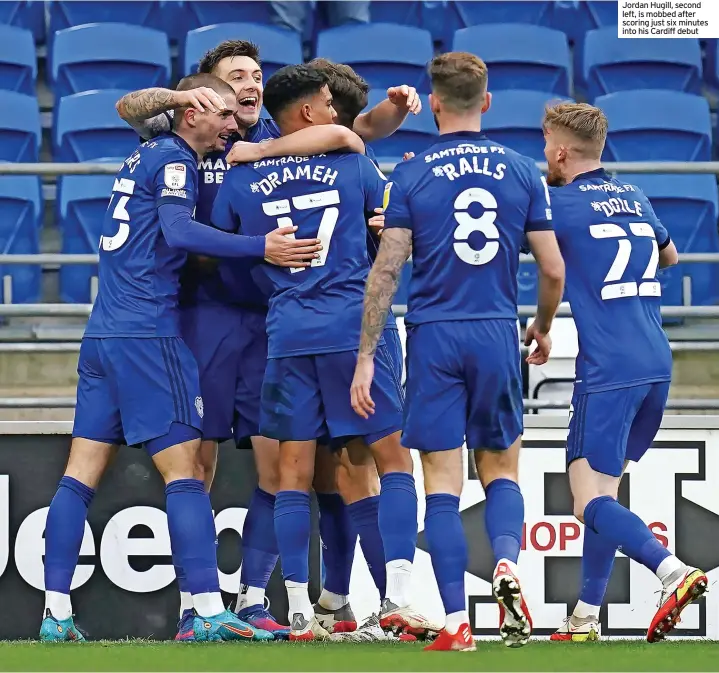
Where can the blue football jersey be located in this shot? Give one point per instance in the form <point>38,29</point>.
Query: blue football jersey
<point>138,272</point>
<point>230,282</point>
<point>316,309</point>
<point>610,239</point>
<point>468,202</point>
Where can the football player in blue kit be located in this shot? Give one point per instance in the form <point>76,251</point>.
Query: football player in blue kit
<point>313,328</point>
<point>223,312</point>
<point>347,492</point>
<point>462,208</point>
<point>613,244</point>
<point>138,381</point>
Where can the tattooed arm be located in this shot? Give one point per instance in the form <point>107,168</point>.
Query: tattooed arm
<point>394,250</point>
<point>149,111</point>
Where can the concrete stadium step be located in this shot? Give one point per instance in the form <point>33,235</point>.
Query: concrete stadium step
<point>22,371</point>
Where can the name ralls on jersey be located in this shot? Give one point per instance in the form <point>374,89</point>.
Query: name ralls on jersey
<point>467,165</point>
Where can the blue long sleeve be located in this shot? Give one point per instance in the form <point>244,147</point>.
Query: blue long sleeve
<point>181,231</point>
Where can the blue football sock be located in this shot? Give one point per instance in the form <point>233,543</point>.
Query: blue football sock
<point>398,516</point>
<point>504,517</point>
<point>192,531</point>
<point>339,539</point>
<point>64,530</point>
<point>259,543</point>
<point>179,570</point>
<point>448,549</point>
<point>624,529</point>
<point>292,528</point>
<point>597,563</point>
<point>365,518</point>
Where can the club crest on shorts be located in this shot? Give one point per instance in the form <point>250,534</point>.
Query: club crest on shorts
<point>199,406</point>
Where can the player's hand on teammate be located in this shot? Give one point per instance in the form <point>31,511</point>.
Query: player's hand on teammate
<point>376,222</point>
<point>202,99</point>
<point>360,397</point>
<point>540,354</point>
<point>244,153</point>
<point>281,249</point>
<point>405,97</point>
<point>407,156</point>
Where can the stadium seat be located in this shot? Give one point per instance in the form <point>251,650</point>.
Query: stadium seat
<point>24,14</point>
<point>278,47</point>
<point>458,15</point>
<point>83,202</point>
<point>519,56</point>
<point>65,14</point>
<point>652,125</point>
<point>109,56</point>
<point>20,133</point>
<point>372,50</point>
<point>18,64</point>
<point>20,213</point>
<point>515,120</point>
<point>527,285</point>
<point>688,206</point>
<point>614,64</point>
<point>209,13</point>
<point>408,13</point>
<point>88,128</point>
<point>416,134</point>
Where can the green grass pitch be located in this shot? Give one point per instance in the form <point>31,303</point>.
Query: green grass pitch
<point>490,656</point>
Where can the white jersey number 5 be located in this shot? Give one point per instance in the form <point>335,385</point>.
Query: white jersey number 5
<point>613,287</point>
<point>330,215</point>
<point>122,190</point>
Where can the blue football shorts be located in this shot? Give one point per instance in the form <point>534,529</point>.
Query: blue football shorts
<point>132,390</point>
<point>463,383</point>
<point>613,426</point>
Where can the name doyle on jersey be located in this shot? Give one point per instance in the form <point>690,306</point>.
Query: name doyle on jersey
<point>317,173</point>
<point>616,206</point>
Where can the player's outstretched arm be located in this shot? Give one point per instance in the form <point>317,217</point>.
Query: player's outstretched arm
<point>386,117</point>
<point>304,143</point>
<point>550,266</point>
<point>394,250</point>
<point>145,110</point>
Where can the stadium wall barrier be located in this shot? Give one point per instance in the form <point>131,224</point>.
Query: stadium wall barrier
<point>124,583</point>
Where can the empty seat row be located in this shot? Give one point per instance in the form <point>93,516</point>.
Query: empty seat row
<point>520,56</point>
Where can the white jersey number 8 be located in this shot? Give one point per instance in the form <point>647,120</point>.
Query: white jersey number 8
<point>330,215</point>
<point>613,287</point>
<point>466,224</point>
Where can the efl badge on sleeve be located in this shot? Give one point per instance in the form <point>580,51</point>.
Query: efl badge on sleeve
<point>175,175</point>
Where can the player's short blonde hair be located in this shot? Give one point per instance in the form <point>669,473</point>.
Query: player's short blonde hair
<point>459,79</point>
<point>585,123</point>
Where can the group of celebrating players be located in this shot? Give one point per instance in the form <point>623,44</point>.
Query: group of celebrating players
<point>292,342</point>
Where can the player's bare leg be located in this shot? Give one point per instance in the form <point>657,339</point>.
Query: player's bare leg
<point>292,527</point>
<point>443,481</point>
<point>397,521</point>
<point>595,505</point>
<point>64,531</point>
<point>339,539</point>
<point>498,473</point>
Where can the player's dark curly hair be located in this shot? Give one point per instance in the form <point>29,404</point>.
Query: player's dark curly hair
<point>229,49</point>
<point>290,84</point>
<point>349,90</point>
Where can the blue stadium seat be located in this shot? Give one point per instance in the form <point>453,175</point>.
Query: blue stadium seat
<point>65,14</point>
<point>372,50</point>
<point>515,120</point>
<point>519,56</point>
<point>20,217</point>
<point>24,14</point>
<point>688,206</point>
<point>209,13</point>
<point>416,134</point>
<point>459,14</point>
<point>18,64</point>
<point>88,128</point>
<point>614,64</point>
<point>527,285</point>
<point>405,13</point>
<point>109,56</point>
<point>651,125</point>
<point>83,202</point>
<point>20,132</point>
<point>277,47</point>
